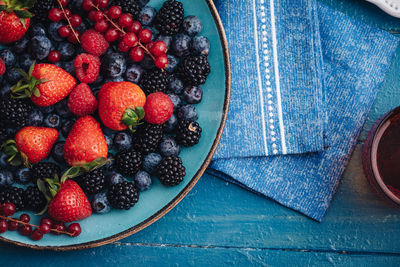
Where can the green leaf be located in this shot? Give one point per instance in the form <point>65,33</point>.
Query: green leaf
<point>23,14</point>
<point>129,117</point>
<point>29,4</point>
<point>23,73</point>
<point>25,160</point>
<point>31,68</point>
<point>71,173</point>
<point>36,92</point>
<point>23,22</point>
<point>140,112</point>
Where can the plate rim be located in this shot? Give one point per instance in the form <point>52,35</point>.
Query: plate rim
<point>168,207</point>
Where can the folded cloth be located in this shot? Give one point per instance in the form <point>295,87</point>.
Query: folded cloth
<point>355,59</point>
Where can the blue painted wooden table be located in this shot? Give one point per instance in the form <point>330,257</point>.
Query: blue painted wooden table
<point>219,224</point>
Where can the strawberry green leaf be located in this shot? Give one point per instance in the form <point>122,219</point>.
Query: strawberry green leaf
<point>23,14</point>
<point>23,22</point>
<point>2,8</point>
<point>31,68</point>
<point>36,92</point>
<point>71,173</point>
<point>140,112</point>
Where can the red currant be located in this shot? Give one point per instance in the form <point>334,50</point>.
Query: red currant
<point>55,14</point>
<point>64,31</point>
<point>145,36</point>
<point>136,54</point>
<point>159,48</point>
<point>68,12</point>
<point>135,27</point>
<point>75,20</point>
<point>74,229</point>
<point>101,25</point>
<point>91,15</point>
<point>36,235</point>
<point>24,218</point>
<point>46,221</point>
<point>111,35</point>
<point>25,230</point>
<point>9,209</point>
<point>161,62</point>
<point>45,228</point>
<point>87,5</point>
<point>123,47</point>
<point>125,20</point>
<point>64,2</point>
<point>130,39</point>
<point>98,15</point>
<point>54,56</point>
<point>72,38</point>
<point>58,226</point>
<point>12,226</point>
<point>102,3</point>
<point>114,12</point>
<point>3,226</point>
<point>149,45</point>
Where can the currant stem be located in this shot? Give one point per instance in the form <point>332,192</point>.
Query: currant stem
<point>69,22</point>
<point>32,225</point>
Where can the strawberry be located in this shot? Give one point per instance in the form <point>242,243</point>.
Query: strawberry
<point>81,101</point>
<point>85,142</point>
<point>14,20</point>
<point>45,84</point>
<point>121,105</point>
<point>158,108</point>
<point>70,203</point>
<point>31,145</point>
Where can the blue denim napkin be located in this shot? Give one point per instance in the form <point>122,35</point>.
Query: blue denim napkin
<point>355,58</point>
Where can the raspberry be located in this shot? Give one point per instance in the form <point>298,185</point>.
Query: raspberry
<point>87,68</point>
<point>2,67</point>
<point>81,101</point>
<point>158,108</point>
<point>94,42</point>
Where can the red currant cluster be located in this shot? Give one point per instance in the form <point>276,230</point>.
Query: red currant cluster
<point>118,26</point>
<point>74,21</point>
<point>25,228</point>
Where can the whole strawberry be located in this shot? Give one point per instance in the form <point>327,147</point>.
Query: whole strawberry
<point>31,145</point>
<point>158,108</point>
<point>14,20</point>
<point>46,84</point>
<point>121,105</point>
<point>81,101</point>
<point>85,142</point>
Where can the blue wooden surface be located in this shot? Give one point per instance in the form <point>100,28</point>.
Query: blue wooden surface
<point>219,224</point>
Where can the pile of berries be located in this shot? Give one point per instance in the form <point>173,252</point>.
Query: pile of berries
<point>112,59</point>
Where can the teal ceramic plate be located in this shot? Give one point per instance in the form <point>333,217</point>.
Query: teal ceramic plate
<point>156,202</point>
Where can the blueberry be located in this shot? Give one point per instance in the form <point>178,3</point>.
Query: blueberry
<point>192,94</point>
<point>123,141</point>
<point>62,109</point>
<point>108,131</point>
<point>109,141</point>
<point>76,4</point>
<point>83,27</point>
<point>113,65</point>
<point>6,178</point>
<point>150,162</point>
<point>4,89</point>
<point>52,121</point>
<point>169,147</point>
<point>192,25</point>
<point>115,79</point>
<point>12,75</point>
<point>147,15</point>
<point>67,127</point>
<point>166,39</point>
<point>21,45</point>
<point>170,124</point>
<point>100,203</point>
<point>134,73</point>
<point>35,118</point>
<point>47,110</point>
<point>181,45</point>
<point>67,51</point>
<point>3,160</point>
<point>23,176</point>
<point>176,100</point>
<point>11,131</point>
<point>53,31</point>
<point>200,45</point>
<point>172,63</point>
<point>8,57</point>
<point>147,63</point>
<point>143,2</point>
<point>25,61</point>
<point>187,112</point>
<point>68,66</point>
<point>114,178</point>
<point>57,152</point>
<point>40,46</point>
<point>37,29</point>
<point>175,85</point>
<point>142,180</point>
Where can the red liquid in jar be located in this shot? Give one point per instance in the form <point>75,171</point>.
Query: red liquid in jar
<point>388,156</point>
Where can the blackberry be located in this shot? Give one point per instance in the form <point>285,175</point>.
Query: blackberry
<point>189,133</point>
<point>171,171</point>
<point>34,200</point>
<point>92,182</point>
<point>170,17</point>
<point>154,81</point>
<point>128,162</point>
<point>4,135</point>
<point>13,195</point>
<point>129,6</point>
<point>123,195</point>
<point>148,137</point>
<point>44,170</point>
<point>14,112</point>
<point>194,70</point>
<point>41,9</point>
